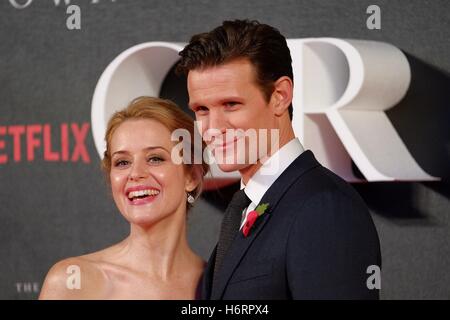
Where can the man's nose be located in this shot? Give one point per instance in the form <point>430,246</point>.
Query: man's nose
<point>217,123</point>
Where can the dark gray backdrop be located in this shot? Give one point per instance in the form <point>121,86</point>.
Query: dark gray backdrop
<point>50,211</point>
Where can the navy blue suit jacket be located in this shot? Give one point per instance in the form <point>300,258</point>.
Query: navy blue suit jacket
<point>315,241</point>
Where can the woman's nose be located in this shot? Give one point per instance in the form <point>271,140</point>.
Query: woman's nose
<point>138,171</point>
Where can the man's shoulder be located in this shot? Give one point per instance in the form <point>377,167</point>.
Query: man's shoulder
<point>319,189</point>
<point>306,184</point>
<point>322,202</point>
<point>318,180</point>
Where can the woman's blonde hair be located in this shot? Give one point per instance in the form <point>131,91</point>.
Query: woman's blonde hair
<point>168,114</point>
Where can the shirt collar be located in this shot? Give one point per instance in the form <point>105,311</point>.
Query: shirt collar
<point>269,172</point>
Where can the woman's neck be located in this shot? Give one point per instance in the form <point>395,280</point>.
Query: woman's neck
<point>160,250</point>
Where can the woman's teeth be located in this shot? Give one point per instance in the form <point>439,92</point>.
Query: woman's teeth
<point>142,193</point>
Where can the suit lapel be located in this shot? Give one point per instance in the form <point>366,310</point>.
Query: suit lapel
<point>241,244</point>
<point>207,277</point>
<point>237,250</point>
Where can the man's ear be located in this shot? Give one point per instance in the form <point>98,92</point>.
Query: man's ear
<point>282,95</point>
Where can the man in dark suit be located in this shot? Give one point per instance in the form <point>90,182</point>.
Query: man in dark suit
<point>295,230</point>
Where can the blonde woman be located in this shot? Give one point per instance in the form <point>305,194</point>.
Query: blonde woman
<point>153,194</point>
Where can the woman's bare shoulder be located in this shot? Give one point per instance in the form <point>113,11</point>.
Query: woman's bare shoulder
<point>75,278</point>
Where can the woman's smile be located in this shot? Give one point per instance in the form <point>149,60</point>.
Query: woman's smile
<point>140,195</point>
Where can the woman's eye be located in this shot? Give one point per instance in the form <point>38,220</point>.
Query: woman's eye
<point>155,160</point>
<point>121,163</point>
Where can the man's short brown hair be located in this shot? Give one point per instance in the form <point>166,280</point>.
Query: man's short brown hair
<point>264,46</point>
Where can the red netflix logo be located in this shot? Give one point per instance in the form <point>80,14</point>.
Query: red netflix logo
<point>38,136</point>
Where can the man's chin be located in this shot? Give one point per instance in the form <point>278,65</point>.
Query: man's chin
<point>225,167</point>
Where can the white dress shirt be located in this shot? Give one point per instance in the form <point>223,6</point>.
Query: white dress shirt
<point>268,173</point>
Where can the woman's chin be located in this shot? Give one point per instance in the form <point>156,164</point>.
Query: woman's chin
<point>140,217</point>
<point>143,221</point>
<point>151,213</point>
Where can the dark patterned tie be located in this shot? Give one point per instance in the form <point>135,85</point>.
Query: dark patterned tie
<point>230,226</point>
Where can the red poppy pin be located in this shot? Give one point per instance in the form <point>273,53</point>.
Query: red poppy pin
<point>252,216</point>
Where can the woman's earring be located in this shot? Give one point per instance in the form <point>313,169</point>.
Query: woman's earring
<point>190,198</point>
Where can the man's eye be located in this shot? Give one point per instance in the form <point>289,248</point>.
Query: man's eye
<point>231,104</point>
<point>201,109</point>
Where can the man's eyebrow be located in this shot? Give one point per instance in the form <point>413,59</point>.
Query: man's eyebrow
<point>193,104</point>
<point>230,98</point>
<point>145,149</point>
